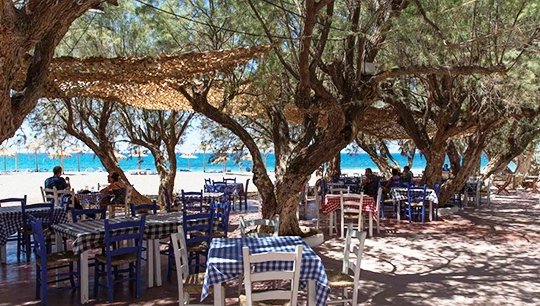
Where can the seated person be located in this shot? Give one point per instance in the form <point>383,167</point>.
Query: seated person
<point>116,190</point>
<point>394,181</point>
<point>370,183</point>
<point>445,172</point>
<point>407,175</point>
<point>58,182</point>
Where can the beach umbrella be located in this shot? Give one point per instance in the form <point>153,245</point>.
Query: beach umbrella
<point>119,156</point>
<point>77,151</point>
<point>188,156</point>
<point>34,146</point>
<point>139,154</point>
<point>5,152</point>
<point>61,154</point>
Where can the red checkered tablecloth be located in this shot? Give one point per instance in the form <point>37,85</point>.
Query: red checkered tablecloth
<point>333,201</point>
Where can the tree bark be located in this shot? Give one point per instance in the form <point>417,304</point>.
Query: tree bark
<point>434,162</point>
<point>334,167</point>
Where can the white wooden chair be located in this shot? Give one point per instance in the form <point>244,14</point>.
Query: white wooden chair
<point>288,297</point>
<point>485,190</point>
<point>187,283</point>
<point>122,207</point>
<point>248,228</point>
<point>351,211</point>
<point>343,279</point>
<point>50,195</point>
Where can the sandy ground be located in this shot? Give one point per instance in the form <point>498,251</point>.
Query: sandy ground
<point>479,256</point>
<point>13,184</point>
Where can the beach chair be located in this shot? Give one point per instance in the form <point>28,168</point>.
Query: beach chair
<point>502,182</point>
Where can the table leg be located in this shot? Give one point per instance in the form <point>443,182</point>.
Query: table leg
<point>59,242</point>
<point>430,211</point>
<point>157,262</point>
<point>3,254</point>
<point>331,223</point>
<point>370,224</point>
<point>398,210</point>
<point>84,277</point>
<point>312,293</point>
<point>219,295</point>
<point>150,261</point>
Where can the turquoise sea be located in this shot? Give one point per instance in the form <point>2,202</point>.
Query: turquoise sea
<point>90,163</point>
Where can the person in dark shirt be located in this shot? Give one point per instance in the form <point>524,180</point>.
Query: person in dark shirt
<point>115,191</point>
<point>56,180</point>
<point>370,183</point>
<point>394,181</point>
<point>407,175</point>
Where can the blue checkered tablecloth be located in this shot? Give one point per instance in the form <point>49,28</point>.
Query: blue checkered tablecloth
<point>400,194</point>
<point>11,220</point>
<point>90,234</point>
<point>225,261</point>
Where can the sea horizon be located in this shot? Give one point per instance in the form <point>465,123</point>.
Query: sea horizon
<point>88,162</point>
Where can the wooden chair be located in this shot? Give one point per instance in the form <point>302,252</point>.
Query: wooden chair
<point>351,211</point>
<point>122,208</point>
<point>50,195</point>
<point>343,279</point>
<point>245,226</point>
<point>189,285</point>
<point>485,190</point>
<point>251,275</point>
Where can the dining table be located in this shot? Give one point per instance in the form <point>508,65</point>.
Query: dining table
<point>225,263</point>
<point>90,234</point>
<point>399,194</point>
<point>11,220</point>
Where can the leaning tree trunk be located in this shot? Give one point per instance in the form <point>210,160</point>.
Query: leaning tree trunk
<point>434,162</point>
<point>524,163</point>
<point>166,176</point>
<point>334,167</point>
<point>287,196</point>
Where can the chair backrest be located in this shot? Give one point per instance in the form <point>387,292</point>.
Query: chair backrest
<point>245,191</point>
<point>192,201</point>
<point>416,194</point>
<point>39,211</point>
<point>380,199</point>
<point>198,227</point>
<point>219,186</point>
<point>50,195</point>
<point>354,244</point>
<point>222,211</point>
<point>230,180</point>
<point>178,241</point>
<point>339,190</point>
<point>144,209</point>
<point>246,224</point>
<point>124,237</point>
<point>352,203</point>
<point>40,247</point>
<point>252,275</point>
<point>83,214</point>
<point>21,201</point>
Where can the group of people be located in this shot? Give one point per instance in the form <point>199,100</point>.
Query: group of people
<point>371,181</point>
<point>115,192</point>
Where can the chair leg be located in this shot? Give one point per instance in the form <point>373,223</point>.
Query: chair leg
<point>138,279</point>
<point>109,283</point>
<point>96,278</point>
<point>38,282</point>
<point>71,278</point>
<point>423,212</point>
<point>27,247</point>
<point>19,244</point>
<point>43,285</point>
<point>170,263</point>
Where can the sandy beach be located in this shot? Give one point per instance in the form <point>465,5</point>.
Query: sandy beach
<point>17,184</point>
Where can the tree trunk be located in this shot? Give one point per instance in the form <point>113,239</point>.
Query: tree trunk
<point>454,157</point>
<point>523,165</point>
<point>287,195</point>
<point>334,167</point>
<point>434,162</point>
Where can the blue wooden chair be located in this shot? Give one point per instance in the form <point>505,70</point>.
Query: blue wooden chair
<point>229,180</point>
<point>220,186</point>
<point>198,229</point>
<point>40,211</point>
<point>90,213</point>
<point>18,237</point>
<point>192,201</point>
<point>144,209</point>
<point>46,262</point>
<point>123,245</point>
<point>221,211</point>
<point>416,203</point>
<point>169,204</point>
<point>243,196</point>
